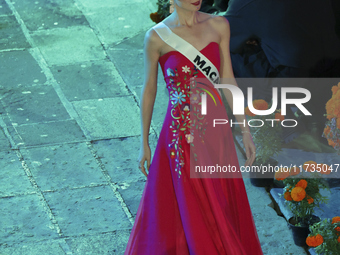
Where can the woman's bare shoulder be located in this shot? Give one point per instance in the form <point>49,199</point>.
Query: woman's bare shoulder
<point>220,23</point>
<point>152,39</point>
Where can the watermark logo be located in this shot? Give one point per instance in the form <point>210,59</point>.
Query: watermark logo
<point>238,100</point>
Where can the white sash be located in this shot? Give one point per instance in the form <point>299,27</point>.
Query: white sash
<point>185,48</point>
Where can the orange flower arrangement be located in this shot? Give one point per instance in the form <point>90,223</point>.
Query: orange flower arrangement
<point>287,196</point>
<point>302,190</point>
<point>324,236</point>
<point>335,88</point>
<point>310,199</point>
<point>314,241</point>
<point>260,104</point>
<point>155,17</point>
<point>298,193</point>
<point>163,11</point>
<point>294,171</point>
<point>335,219</point>
<point>281,174</point>
<point>302,183</point>
<point>332,128</point>
<point>309,165</point>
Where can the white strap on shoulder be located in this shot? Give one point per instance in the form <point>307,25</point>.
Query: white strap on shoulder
<point>190,52</point>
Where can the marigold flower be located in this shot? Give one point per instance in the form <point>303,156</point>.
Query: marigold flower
<point>287,196</point>
<point>336,110</point>
<point>335,219</point>
<point>326,130</point>
<point>335,89</point>
<point>298,194</point>
<point>310,199</point>
<point>330,108</point>
<point>308,165</point>
<point>281,175</point>
<point>331,142</point>
<point>325,169</point>
<point>337,229</point>
<point>260,104</point>
<point>294,171</point>
<point>302,183</point>
<point>338,239</point>
<point>155,17</point>
<point>314,241</point>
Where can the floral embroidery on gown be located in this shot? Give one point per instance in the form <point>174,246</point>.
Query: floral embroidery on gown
<point>182,215</point>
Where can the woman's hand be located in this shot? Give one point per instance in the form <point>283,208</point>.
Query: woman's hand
<point>144,155</point>
<point>250,148</point>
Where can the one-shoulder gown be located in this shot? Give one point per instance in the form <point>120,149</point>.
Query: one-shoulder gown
<point>182,215</point>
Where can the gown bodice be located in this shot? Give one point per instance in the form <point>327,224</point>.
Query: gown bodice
<point>178,72</point>
<point>176,66</point>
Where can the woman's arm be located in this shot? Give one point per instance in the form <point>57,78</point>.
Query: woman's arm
<point>227,76</point>
<point>148,94</point>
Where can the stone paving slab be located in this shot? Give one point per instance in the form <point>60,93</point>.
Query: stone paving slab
<point>27,105</point>
<point>23,218</point>
<point>4,10</point>
<point>33,248</point>
<point>90,80</point>
<point>132,193</point>
<point>4,143</point>
<point>63,166</point>
<point>47,133</point>
<point>62,46</point>
<point>87,210</point>
<point>312,251</point>
<point>106,243</point>
<point>92,5</point>
<point>27,71</point>
<point>272,229</point>
<point>49,14</point>
<point>132,49</point>
<point>120,157</point>
<point>114,25</point>
<point>160,106</point>
<point>11,35</point>
<point>13,179</point>
<point>109,117</point>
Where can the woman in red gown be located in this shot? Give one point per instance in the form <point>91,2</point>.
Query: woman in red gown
<point>178,214</point>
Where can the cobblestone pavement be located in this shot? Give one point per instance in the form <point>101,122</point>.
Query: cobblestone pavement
<point>70,80</point>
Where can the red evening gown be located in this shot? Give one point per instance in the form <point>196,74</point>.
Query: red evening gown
<point>182,215</point>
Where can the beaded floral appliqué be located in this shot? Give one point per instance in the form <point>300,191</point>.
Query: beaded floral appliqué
<point>183,93</point>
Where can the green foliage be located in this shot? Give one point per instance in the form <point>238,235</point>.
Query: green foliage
<point>163,8</point>
<point>267,139</point>
<point>268,142</point>
<point>327,230</point>
<point>303,210</point>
